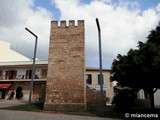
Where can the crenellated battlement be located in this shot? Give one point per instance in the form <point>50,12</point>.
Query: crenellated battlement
<point>63,24</point>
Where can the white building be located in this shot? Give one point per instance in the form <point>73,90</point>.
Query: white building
<point>8,55</point>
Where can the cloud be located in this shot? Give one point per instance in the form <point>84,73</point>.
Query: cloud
<point>15,16</point>
<point>123,24</point>
<point>158,7</point>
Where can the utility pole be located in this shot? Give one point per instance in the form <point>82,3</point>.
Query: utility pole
<point>33,66</point>
<point>100,67</point>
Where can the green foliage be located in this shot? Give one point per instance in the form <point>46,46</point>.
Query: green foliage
<point>140,68</point>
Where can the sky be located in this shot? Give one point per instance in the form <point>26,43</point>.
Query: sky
<point>123,23</point>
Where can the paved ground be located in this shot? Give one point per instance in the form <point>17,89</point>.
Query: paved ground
<point>28,115</point>
<point>10,103</point>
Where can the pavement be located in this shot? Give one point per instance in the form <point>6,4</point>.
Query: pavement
<point>27,115</point>
<point>30,115</point>
<point>10,103</point>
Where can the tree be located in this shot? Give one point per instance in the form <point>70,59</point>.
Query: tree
<point>140,68</point>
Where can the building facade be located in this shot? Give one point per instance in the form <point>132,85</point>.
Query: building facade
<point>16,76</point>
<point>92,81</point>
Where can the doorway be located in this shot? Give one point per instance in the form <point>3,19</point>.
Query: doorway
<point>2,93</point>
<point>19,93</point>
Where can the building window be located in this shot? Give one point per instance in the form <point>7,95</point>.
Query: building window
<point>11,74</point>
<point>0,75</point>
<point>6,75</point>
<point>44,74</point>
<point>28,74</point>
<point>36,77</point>
<point>99,79</point>
<point>88,78</point>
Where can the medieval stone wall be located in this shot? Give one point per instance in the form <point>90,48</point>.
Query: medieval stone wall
<point>66,67</point>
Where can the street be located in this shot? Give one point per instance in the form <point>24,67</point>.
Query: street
<point>28,115</point>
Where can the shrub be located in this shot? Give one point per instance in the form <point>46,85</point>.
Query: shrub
<point>124,99</point>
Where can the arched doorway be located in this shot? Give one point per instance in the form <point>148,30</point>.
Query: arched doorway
<point>19,93</point>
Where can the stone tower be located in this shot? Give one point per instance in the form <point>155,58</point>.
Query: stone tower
<point>65,87</point>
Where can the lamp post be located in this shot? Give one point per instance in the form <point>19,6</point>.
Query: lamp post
<point>100,67</point>
<point>33,65</point>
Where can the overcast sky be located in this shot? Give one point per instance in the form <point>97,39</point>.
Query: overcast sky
<point>123,23</point>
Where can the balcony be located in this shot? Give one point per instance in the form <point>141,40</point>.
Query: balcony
<point>37,77</point>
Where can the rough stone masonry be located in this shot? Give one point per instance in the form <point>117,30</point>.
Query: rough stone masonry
<point>65,88</point>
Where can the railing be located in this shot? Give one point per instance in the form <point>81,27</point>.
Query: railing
<point>22,77</point>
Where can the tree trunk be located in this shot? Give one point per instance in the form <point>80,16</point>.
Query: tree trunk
<point>151,95</point>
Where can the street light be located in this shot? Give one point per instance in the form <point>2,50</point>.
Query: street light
<point>100,67</point>
<point>33,65</point>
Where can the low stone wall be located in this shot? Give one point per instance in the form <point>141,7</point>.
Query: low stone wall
<point>145,103</point>
<point>93,97</point>
<point>65,106</point>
